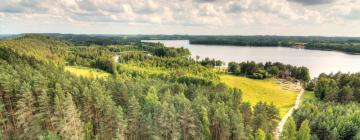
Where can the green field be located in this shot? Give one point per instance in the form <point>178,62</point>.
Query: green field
<point>86,72</point>
<point>308,95</point>
<point>268,90</point>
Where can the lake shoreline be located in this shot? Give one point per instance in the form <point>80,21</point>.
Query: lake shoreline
<point>318,61</point>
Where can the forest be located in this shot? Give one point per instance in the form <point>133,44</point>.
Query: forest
<point>150,91</point>
<point>330,120</point>
<point>333,112</point>
<point>154,92</point>
<point>338,87</point>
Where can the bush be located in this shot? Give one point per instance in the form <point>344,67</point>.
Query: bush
<point>257,76</point>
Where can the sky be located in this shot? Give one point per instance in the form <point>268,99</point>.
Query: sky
<point>192,17</point>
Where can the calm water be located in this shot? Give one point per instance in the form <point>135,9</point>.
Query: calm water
<point>317,61</point>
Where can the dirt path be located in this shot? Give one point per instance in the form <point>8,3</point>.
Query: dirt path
<point>281,124</point>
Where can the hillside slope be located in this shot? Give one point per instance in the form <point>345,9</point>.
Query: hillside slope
<point>39,47</point>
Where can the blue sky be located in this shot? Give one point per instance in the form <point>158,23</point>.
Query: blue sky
<point>208,17</point>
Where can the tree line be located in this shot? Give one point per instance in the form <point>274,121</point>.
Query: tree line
<point>211,63</point>
<point>334,111</point>
<point>348,47</point>
<point>338,87</point>
<point>343,44</point>
<point>330,120</point>
<point>269,69</point>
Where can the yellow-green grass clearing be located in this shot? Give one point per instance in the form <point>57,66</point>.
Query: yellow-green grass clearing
<point>268,90</point>
<point>308,95</point>
<point>86,72</point>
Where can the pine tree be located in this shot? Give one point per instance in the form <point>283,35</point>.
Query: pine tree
<point>202,116</point>
<point>90,111</point>
<point>119,124</point>
<point>3,123</point>
<point>260,135</point>
<point>39,84</point>
<point>166,121</point>
<point>237,126</point>
<point>236,98</point>
<point>259,121</point>
<point>186,117</point>
<point>265,117</point>
<point>111,122</point>
<point>246,112</point>
<point>133,119</point>
<point>205,123</point>
<point>220,126</point>
<point>120,93</point>
<point>26,119</point>
<point>44,111</point>
<point>67,119</point>
<point>104,118</point>
<point>149,111</point>
<point>7,84</point>
<point>304,131</point>
<point>289,132</point>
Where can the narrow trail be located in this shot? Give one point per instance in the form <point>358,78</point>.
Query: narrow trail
<point>281,124</point>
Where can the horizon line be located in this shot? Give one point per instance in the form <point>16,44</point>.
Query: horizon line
<point>120,34</point>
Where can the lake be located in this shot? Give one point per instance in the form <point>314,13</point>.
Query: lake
<point>317,61</point>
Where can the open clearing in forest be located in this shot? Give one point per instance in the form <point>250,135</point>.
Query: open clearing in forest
<point>308,95</point>
<point>281,93</point>
<point>87,72</point>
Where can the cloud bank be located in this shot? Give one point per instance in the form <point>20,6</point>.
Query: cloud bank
<point>281,17</point>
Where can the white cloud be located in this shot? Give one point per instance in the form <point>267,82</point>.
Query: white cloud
<point>313,2</point>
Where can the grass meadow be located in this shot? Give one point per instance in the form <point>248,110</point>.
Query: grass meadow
<point>268,90</point>
<point>86,72</point>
